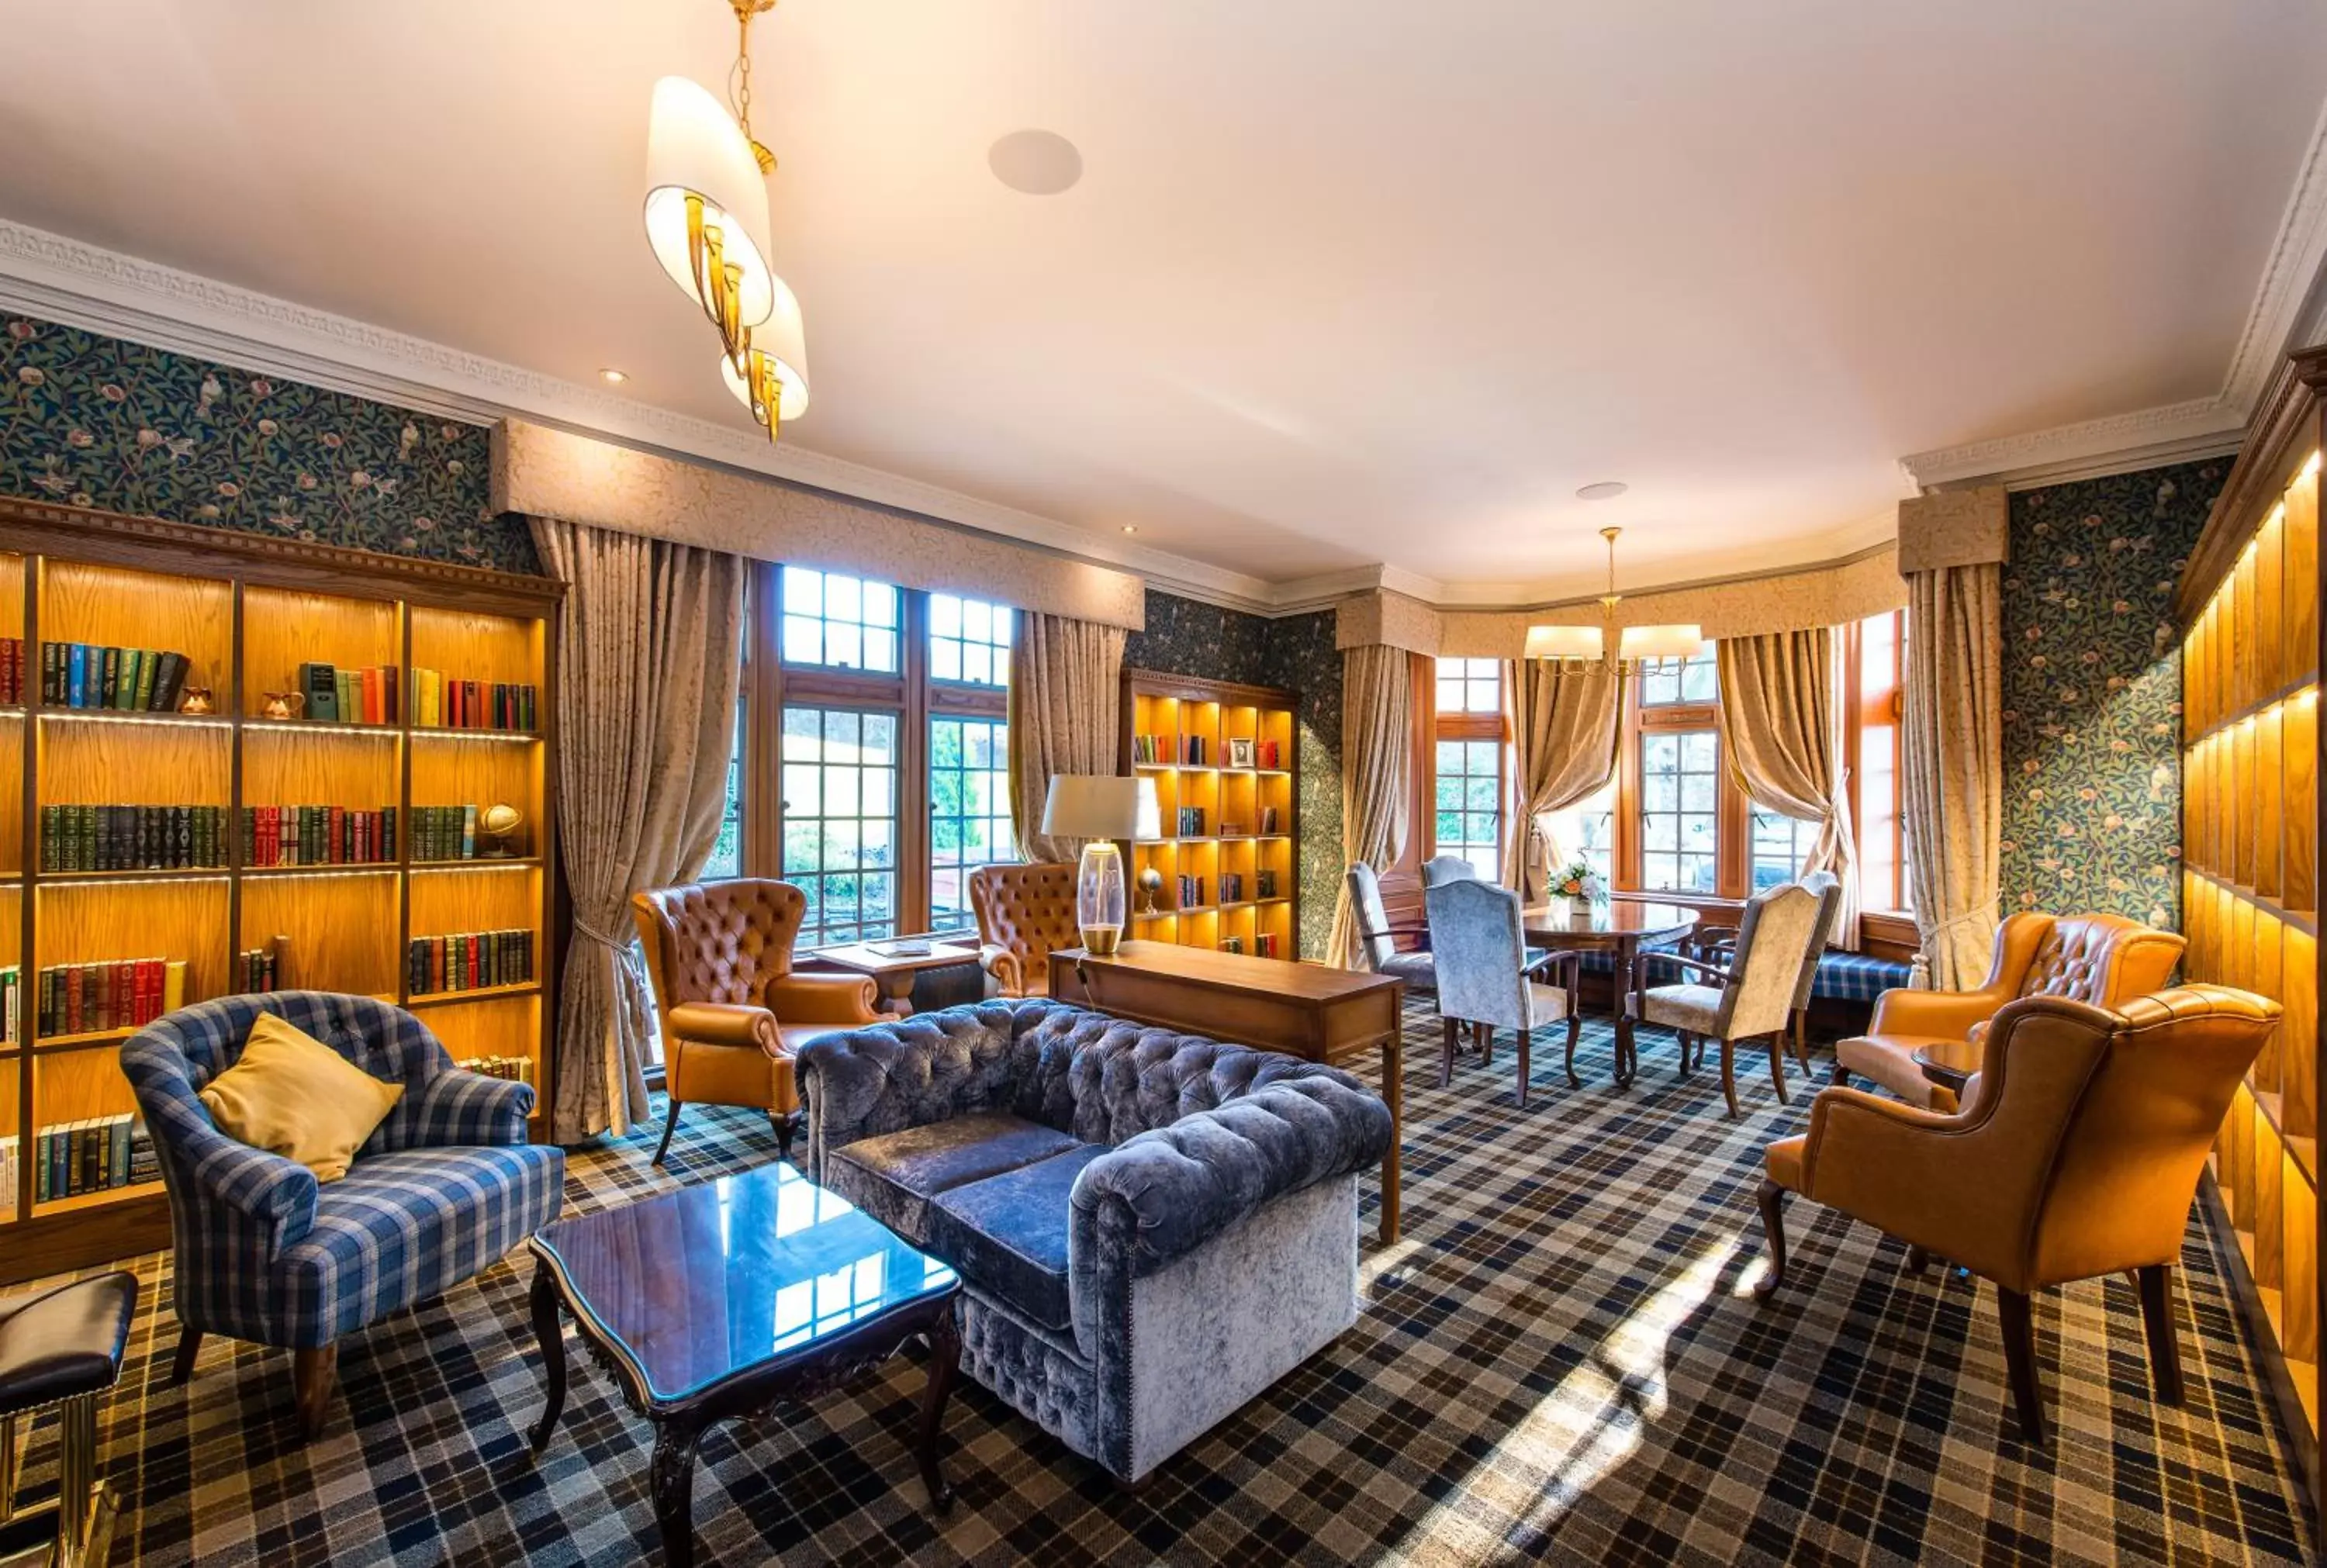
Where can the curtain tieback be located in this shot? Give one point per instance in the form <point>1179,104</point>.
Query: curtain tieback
<point>625,951</point>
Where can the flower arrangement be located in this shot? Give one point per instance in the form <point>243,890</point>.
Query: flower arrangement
<point>1577,880</point>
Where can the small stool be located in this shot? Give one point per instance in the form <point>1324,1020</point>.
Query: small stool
<point>62,1348</point>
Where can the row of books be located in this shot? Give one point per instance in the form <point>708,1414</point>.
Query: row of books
<point>333,695</point>
<point>93,1155</point>
<point>1191,892</point>
<point>438,703</point>
<point>1198,752</point>
<point>263,968</point>
<point>443,832</point>
<point>318,835</point>
<point>138,680</point>
<point>469,960</point>
<point>1231,887</point>
<point>123,994</point>
<point>515,1069</point>
<point>132,837</point>
<point>1266,943</point>
<point>1190,821</point>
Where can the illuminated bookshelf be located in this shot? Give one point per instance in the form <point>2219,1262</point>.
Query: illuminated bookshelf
<point>1237,799</point>
<point>248,612</point>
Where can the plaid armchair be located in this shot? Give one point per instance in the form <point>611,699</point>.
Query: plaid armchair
<point>444,1186</point>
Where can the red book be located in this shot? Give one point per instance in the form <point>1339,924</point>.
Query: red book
<point>436,964</point>
<point>333,826</point>
<point>391,694</point>
<point>371,697</point>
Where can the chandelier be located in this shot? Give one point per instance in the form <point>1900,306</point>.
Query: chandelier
<point>706,217</point>
<point>1624,649</point>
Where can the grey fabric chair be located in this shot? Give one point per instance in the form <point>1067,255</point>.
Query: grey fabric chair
<point>1484,975</point>
<point>1378,939</point>
<point>1447,868</point>
<point>1752,997</point>
<point>1718,945</point>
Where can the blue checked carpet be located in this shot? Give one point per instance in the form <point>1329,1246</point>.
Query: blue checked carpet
<point>1558,1363</point>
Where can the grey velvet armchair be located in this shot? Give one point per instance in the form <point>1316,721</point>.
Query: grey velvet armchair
<point>1486,974</point>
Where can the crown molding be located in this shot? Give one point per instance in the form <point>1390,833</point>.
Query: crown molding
<point>85,285</point>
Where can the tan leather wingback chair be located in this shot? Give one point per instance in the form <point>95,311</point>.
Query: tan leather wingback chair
<point>1024,912</point>
<point>2077,1157</point>
<point>732,1011</point>
<point>2106,960</point>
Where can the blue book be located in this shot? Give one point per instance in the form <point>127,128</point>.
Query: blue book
<point>76,677</point>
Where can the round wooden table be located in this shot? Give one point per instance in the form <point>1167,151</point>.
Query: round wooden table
<point>1950,1063</point>
<point>1623,927</point>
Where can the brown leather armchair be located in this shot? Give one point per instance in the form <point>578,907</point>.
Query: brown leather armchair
<point>2078,1158</point>
<point>732,1013</point>
<point>1024,912</point>
<point>2106,960</point>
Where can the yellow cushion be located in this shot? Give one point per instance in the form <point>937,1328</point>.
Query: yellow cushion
<point>293,1095</point>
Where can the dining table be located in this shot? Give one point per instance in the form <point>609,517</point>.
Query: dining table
<point>1625,927</point>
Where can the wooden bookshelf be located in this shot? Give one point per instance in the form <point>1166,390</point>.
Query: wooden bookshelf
<point>1237,799</point>
<point>248,612</point>
<point>2250,666</point>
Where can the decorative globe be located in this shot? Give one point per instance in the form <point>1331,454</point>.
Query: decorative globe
<point>500,821</point>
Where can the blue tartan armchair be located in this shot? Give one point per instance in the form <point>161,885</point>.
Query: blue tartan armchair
<point>443,1188</point>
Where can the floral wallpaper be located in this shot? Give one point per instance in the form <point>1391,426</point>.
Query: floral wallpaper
<point>92,421</point>
<point>2092,691</point>
<point>1184,637</point>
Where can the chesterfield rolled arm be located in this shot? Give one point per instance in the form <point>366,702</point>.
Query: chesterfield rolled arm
<point>726,1023</point>
<point>798,998</point>
<point>1003,964</point>
<point>1175,1188</point>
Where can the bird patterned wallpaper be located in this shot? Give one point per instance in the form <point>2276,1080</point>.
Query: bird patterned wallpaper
<point>92,421</point>
<point>1297,652</point>
<point>2092,691</point>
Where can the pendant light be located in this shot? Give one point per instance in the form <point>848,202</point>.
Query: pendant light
<point>1625,649</point>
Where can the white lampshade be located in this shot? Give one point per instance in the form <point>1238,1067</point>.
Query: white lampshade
<point>1662,642</point>
<point>694,146</point>
<point>1563,642</point>
<point>783,338</point>
<point>1090,806</point>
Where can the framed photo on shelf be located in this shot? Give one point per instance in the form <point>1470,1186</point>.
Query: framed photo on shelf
<point>1240,752</point>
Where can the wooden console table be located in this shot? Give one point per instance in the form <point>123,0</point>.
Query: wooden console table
<point>1304,1010</point>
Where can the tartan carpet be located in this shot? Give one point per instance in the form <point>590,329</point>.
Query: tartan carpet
<point>1558,1362</point>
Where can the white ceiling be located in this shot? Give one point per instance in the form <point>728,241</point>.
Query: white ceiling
<point>1343,284</point>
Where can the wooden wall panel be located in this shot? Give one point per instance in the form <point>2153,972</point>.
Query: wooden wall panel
<point>341,927</point>
<point>2302,579</point>
<point>487,898</point>
<point>481,648</point>
<point>130,762</point>
<point>288,765</point>
<point>100,922</point>
<point>112,607</point>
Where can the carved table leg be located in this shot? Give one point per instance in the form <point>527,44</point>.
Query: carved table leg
<point>1393,1091</point>
<point>549,1331</point>
<point>945,1366</point>
<point>1623,999</point>
<point>671,1473</point>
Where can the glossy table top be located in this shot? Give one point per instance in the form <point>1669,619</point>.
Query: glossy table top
<point>1234,971</point>
<point>1950,1062</point>
<point>696,1285</point>
<point>1616,918</point>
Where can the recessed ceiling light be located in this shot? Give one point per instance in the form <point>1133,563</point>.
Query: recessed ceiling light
<point>613,378</point>
<point>1605,491</point>
<point>1038,163</point>
<point>1130,527</point>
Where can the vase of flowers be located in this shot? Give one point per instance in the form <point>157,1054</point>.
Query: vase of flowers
<point>1576,887</point>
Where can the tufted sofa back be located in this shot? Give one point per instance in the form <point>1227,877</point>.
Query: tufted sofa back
<point>718,941</point>
<point>2102,960</point>
<point>1028,908</point>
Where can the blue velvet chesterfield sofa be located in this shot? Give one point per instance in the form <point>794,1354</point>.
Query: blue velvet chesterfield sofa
<point>1150,1227</point>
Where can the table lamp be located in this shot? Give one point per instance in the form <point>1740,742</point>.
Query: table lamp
<point>1097,808</point>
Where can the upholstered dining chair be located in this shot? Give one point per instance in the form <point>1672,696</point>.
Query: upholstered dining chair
<point>1378,938</point>
<point>1447,868</point>
<point>2077,1158</point>
<point>733,1015</point>
<point>1752,997</point>
<point>1023,912</point>
<point>1718,945</point>
<point>2103,959</point>
<point>1478,943</point>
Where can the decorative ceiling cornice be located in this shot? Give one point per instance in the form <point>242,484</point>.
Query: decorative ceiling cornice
<point>2285,315</point>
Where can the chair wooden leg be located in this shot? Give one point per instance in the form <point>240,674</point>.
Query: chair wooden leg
<point>182,1365</point>
<point>1681,1035</point>
<point>2156,1283</point>
<point>669,1126</point>
<point>1918,1260</point>
<point>1527,1038</point>
<point>313,1375</point>
<point>1729,1074</point>
<point>1446,1051</point>
<point>1486,1043</point>
<point>1802,1039</point>
<point>1772,1202</point>
<point>1778,1067</point>
<point>2019,1360</point>
<point>1575,1028</point>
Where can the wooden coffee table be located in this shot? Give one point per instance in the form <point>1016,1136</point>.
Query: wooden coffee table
<point>1623,927</point>
<point>716,1301</point>
<point>893,974</point>
<point>1950,1063</point>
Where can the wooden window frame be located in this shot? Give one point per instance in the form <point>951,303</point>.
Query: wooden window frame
<point>1464,725</point>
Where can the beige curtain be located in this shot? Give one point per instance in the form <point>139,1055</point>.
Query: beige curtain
<point>1951,778</point>
<point>1376,772</point>
<point>1066,704</point>
<point>1781,732</point>
<point>1564,734</point>
<point>648,658</point>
